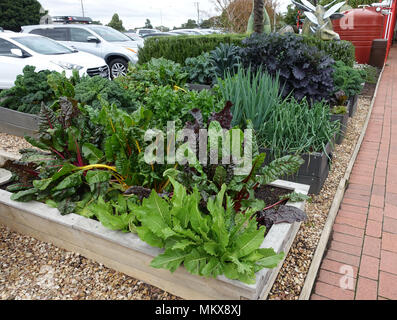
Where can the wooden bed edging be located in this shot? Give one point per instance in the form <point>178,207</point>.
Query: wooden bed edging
<point>126,253</point>
<point>18,123</point>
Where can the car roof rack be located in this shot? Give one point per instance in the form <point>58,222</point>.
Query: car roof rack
<point>71,19</point>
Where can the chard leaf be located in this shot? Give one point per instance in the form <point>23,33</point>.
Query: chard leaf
<point>92,153</point>
<point>24,196</point>
<point>98,176</point>
<point>104,213</point>
<point>42,184</point>
<point>74,180</point>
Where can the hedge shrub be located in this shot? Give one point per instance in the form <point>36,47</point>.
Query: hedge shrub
<point>338,50</point>
<point>179,48</point>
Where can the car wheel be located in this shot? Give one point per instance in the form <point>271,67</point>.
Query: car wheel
<point>118,67</point>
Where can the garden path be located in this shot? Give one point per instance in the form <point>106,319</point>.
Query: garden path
<point>361,261</point>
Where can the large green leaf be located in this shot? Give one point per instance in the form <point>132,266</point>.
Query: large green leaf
<point>92,153</point>
<point>74,180</point>
<point>170,259</point>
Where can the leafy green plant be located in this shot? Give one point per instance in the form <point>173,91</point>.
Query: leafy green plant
<point>339,50</point>
<point>225,58</point>
<point>91,90</point>
<point>304,71</point>
<point>254,96</point>
<point>294,128</point>
<point>200,69</point>
<point>371,73</point>
<point>180,48</point>
<point>175,105</point>
<point>339,110</point>
<point>348,79</point>
<point>207,245</point>
<point>92,153</point>
<point>30,90</point>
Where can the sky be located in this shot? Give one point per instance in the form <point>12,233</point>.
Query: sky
<point>134,13</point>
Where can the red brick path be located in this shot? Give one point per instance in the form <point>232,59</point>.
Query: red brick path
<point>361,262</point>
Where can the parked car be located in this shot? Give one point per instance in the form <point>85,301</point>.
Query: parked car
<point>135,37</point>
<point>159,34</point>
<point>115,47</point>
<point>18,50</point>
<point>142,32</point>
<point>193,32</point>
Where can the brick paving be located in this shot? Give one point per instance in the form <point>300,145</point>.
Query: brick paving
<point>361,260</point>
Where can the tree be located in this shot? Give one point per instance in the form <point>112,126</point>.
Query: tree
<point>116,23</point>
<point>148,24</point>
<point>163,28</point>
<point>17,13</point>
<point>258,16</point>
<point>190,24</point>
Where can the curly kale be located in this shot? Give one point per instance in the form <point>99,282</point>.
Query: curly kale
<point>30,90</point>
<point>92,90</point>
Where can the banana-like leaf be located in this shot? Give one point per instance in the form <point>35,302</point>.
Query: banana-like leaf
<point>309,5</point>
<point>312,17</point>
<point>333,9</point>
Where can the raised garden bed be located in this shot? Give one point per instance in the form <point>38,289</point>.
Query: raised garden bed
<point>126,253</point>
<point>198,87</point>
<point>343,120</point>
<point>313,172</point>
<point>18,123</point>
<point>352,104</point>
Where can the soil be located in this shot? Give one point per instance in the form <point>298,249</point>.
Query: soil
<point>270,195</point>
<point>22,171</point>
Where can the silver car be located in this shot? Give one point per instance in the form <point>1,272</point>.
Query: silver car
<point>113,46</point>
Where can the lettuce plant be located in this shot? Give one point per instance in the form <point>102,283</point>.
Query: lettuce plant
<point>209,245</point>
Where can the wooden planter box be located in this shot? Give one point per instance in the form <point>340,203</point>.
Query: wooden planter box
<point>313,172</point>
<point>343,120</point>
<point>353,101</point>
<point>198,87</point>
<point>126,253</point>
<point>18,123</point>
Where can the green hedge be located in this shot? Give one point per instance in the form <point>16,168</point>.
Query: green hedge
<point>179,48</point>
<point>338,50</point>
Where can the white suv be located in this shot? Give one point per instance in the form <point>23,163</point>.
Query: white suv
<point>18,50</point>
<point>115,47</point>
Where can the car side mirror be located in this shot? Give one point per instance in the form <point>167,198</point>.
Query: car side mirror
<point>93,39</point>
<point>17,52</point>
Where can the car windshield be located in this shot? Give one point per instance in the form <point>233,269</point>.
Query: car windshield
<point>110,34</point>
<point>43,45</point>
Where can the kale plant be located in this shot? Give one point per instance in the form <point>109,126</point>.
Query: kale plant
<point>30,90</point>
<point>200,69</point>
<point>304,70</point>
<point>225,59</point>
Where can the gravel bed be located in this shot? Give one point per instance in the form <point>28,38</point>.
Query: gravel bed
<point>31,269</point>
<point>35,270</point>
<point>291,278</point>
<point>13,144</point>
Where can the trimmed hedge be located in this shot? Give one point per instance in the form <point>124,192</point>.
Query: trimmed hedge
<point>179,48</point>
<point>339,50</point>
